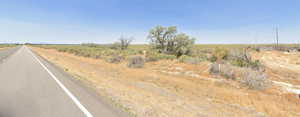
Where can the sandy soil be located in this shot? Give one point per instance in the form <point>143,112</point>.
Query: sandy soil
<point>283,68</point>
<point>172,89</point>
<point>3,48</point>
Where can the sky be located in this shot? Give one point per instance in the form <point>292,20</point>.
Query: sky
<point>105,21</point>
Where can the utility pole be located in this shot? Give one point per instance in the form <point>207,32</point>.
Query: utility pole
<point>277,37</point>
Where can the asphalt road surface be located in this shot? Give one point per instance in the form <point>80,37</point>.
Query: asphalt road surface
<point>32,87</point>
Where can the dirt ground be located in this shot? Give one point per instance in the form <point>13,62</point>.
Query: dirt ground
<point>283,68</point>
<point>173,89</point>
<point>2,48</point>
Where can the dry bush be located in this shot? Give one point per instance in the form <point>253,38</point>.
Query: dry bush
<point>122,44</point>
<point>224,70</point>
<point>115,59</point>
<point>254,79</point>
<point>250,78</point>
<point>214,69</point>
<point>239,54</point>
<point>219,54</point>
<point>136,62</point>
<point>228,72</point>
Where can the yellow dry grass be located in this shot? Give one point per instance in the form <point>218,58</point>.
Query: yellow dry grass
<point>166,88</point>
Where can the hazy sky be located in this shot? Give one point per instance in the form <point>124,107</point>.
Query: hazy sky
<point>104,21</point>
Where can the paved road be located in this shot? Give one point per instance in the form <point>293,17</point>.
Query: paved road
<point>32,87</point>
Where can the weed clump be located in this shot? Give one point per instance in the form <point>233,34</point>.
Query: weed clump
<point>242,58</point>
<point>214,69</point>
<point>254,79</point>
<point>224,70</point>
<point>219,54</point>
<point>115,59</point>
<point>136,62</point>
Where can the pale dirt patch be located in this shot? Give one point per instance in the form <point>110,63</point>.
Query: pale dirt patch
<point>281,66</point>
<point>4,48</point>
<point>188,91</point>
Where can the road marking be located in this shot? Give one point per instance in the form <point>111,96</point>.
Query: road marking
<point>81,107</point>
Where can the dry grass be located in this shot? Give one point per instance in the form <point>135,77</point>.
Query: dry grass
<point>150,92</point>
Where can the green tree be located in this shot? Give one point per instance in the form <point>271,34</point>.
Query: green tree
<point>166,40</point>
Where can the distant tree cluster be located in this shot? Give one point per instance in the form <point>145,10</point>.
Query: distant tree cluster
<point>122,44</point>
<point>165,40</point>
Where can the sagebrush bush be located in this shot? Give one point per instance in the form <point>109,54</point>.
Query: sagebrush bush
<point>136,62</point>
<point>214,69</point>
<point>254,79</point>
<point>115,59</point>
<point>228,72</point>
<point>224,70</point>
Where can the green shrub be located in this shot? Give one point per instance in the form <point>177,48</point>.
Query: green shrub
<point>239,62</point>
<point>242,58</point>
<point>212,59</point>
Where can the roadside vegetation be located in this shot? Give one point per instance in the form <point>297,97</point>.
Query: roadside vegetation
<point>172,67</point>
<point>232,61</point>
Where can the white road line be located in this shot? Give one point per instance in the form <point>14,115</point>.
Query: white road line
<point>81,107</point>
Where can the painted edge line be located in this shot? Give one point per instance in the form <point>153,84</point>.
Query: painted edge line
<point>74,99</point>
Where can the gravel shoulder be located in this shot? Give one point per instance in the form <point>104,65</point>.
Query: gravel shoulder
<point>6,52</point>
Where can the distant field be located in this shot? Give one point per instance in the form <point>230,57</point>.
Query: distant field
<point>107,51</point>
<point>7,45</point>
